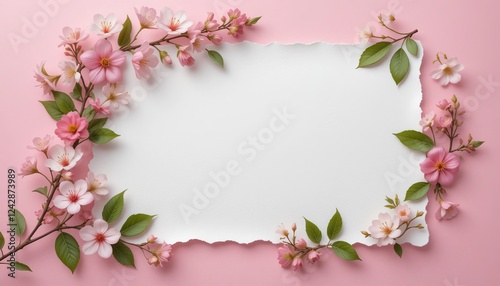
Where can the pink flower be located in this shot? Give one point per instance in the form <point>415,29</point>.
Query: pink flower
<point>440,166</point>
<point>46,82</point>
<point>105,27</point>
<point>445,121</point>
<point>403,212</point>
<point>147,17</point>
<point>427,121</point>
<point>385,229</point>
<point>96,185</point>
<point>296,263</point>
<point>301,243</point>
<point>152,239</point>
<point>285,255</point>
<point>62,158</point>
<point>161,254</point>
<point>448,72</point>
<point>72,127</point>
<point>236,27</point>
<point>165,58</point>
<point>365,34</point>
<point>210,24</point>
<point>99,238</point>
<point>143,60</point>
<point>282,231</point>
<point>86,215</point>
<point>71,36</point>
<point>184,56</point>
<point>28,167</point>
<point>70,73</point>
<point>41,144</point>
<point>73,196</point>
<point>447,210</point>
<point>102,108</point>
<point>104,63</point>
<point>387,17</point>
<point>115,95</point>
<point>174,24</point>
<point>196,39</point>
<point>52,214</point>
<point>444,104</point>
<point>215,39</point>
<point>313,256</point>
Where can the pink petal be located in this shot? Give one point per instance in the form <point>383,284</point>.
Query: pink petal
<point>65,187</point>
<point>90,247</point>
<point>103,48</point>
<point>428,166</point>
<point>61,202</point>
<point>87,233</point>
<point>445,177</point>
<point>438,215</point>
<point>56,151</point>
<point>104,250</point>
<point>90,59</point>
<point>117,58</point>
<point>100,226</point>
<point>86,199</point>
<point>112,236</point>
<point>73,208</point>
<point>432,177</point>
<point>97,75</point>
<point>113,74</point>
<point>80,187</point>
<point>53,165</point>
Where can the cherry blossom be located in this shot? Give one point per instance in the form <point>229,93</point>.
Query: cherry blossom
<point>62,158</point>
<point>104,63</point>
<point>73,196</point>
<point>440,166</point>
<point>105,27</point>
<point>173,23</point>
<point>385,229</point>
<point>99,238</point>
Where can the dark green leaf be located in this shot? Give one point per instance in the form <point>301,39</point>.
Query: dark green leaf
<point>89,113</point>
<point>64,102</point>
<point>389,200</point>
<point>113,208</point>
<point>374,53</point>
<point>2,240</point>
<point>415,140</point>
<point>22,267</point>
<point>123,254</point>
<point>20,222</point>
<point>102,135</point>
<point>52,109</point>
<point>136,224</point>
<point>412,46</point>
<point>399,65</point>
<point>334,226</point>
<point>68,250</point>
<point>96,123</point>
<point>345,251</point>
<point>43,190</point>
<point>417,191</point>
<point>124,37</point>
<point>77,92</point>
<point>390,207</point>
<point>313,232</point>
<point>398,249</point>
<point>216,57</point>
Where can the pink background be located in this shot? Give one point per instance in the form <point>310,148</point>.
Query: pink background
<point>463,251</point>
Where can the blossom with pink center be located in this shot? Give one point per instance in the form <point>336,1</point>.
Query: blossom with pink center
<point>102,108</point>
<point>99,238</point>
<point>104,63</point>
<point>448,72</point>
<point>62,158</point>
<point>105,27</point>
<point>41,144</point>
<point>313,256</point>
<point>296,263</point>
<point>96,185</point>
<point>143,60</point>
<point>385,229</point>
<point>184,56</point>
<point>71,36</point>
<point>447,210</point>
<point>173,23</point>
<point>365,34</point>
<point>116,95</point>
<point>301,243</point>
<point>238,23</point>
<point>403,212</point>
<point>196,39</point>
<point>215,39</point>
<point>147,17</point>
<point>427,121</point>
<point>445,121</point>
<point>28,167</point>
<point>444,104</point>
<point>210,24</point>
<point>46,82</point>
<point>161,254</point>
<point>70,73</point>
<point>440,166</point>
<point>73,196</point>
<point>285,255</point>
<point>72,127</point>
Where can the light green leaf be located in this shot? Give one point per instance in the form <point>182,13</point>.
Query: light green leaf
<point>216,57</point>
<point>412,46</point>
<point>2,240</point>
<point>22,267</point>
<point>64,102</point>
<point>123,254</point>
<point>20,222</point>
<point>113,208</point>
<point>476,144</point>
<point>415,140</point>
<point>417,191</point>
<point>96,123</point>
<point>77,92</point>
<point>374,53</point>
<point>102,135</point>
<point>124,37</point>
<point>43,191</point>
<point>334,226</point>
<point>345,250</point>
<point>136,224</point>
<point>89,113</point>
<point>399,65</point>
<point>398,249</point>
<point>52,109</point>
<point>252,21</point>
<point>68,250</point>
<point>313,232</point>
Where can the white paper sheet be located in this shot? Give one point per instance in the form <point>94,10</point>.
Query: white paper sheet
<point>281,133</point>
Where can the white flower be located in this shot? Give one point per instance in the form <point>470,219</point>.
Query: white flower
<point>387,18</point>
<point>403,212</point>
<point>96,185</point>
<point>70,73</point>
<point>385,229</point>
<point>174,24</point>
<point>62,158</point>
<point>427,120</point>
<point>115,95</point>
<point>105,27</point>
<point>99,238</point>
<point>448,72</point>
<point>147,17</point>
<point>365,34</point>
<point>73,196</point>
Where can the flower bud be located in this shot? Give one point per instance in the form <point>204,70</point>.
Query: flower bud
<point>301,244</point>
<point>420,226</point>
<point>313,256</point>
<point>223,19</point>
<point>454,99</point>
<point>294,227</point>
<point>153,260</point>
<point>365,233</point>
<point>165,58</point>
<point>152,239</point>
<point>420,213</point>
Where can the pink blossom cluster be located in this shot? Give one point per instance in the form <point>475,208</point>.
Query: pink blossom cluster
<point>295,250</point>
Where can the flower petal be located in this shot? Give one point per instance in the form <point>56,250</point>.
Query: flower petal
<point>87,233</point>
<point>104,250</point>
<point>100,226</point>
<point>90,247</point>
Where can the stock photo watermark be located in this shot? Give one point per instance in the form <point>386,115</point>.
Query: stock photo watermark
<point>122,277</point>
<point>10,240</point>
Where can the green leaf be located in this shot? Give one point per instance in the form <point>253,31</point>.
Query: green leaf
<point>43,190</point>
<point>123,254</point>
<point>412,46</point>
<point>389,200</point>
<point>89,113</point>
<point>22,267</point>
<point>334,226</point>
<point>345,251</point>
<point>374,53</point>
<point>398,249</point>
<point>2,240</point>
<point>96,123</point>
<point>136,224</point>
<point>64,102</point>
<point>313,232</point>
<point>77,92</point>
<point>399,65</point>
<point>68,250</point>
<point>102,135</point>
<point>417,191</point>
<point>476,144</point>
<point>415,140</point>
<point>20,222</point>
<point>113,208</point>
<point>52,109</point>
<point>124,37</point>
<point>216,57</point>
<point>252,21</point>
